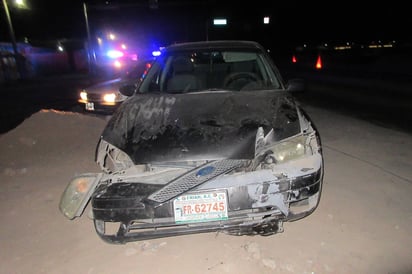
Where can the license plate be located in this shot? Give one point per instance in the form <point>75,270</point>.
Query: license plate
<point>89,106</point>
<point>201,207</point>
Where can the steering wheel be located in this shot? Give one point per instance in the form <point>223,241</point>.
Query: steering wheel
<point>239,79</point>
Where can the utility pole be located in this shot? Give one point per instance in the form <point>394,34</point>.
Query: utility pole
<point>17,56</point>
<point>11,30</point>
<point>90,60</point>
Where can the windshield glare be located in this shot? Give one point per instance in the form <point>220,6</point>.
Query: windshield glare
<point>178,72</point>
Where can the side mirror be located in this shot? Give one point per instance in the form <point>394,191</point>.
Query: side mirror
<point>296,85</point>
<point>127,89</point>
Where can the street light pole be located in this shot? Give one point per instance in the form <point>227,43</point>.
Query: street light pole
<point>11,30</point>
<point>17,56</point>
<point>90,53</point>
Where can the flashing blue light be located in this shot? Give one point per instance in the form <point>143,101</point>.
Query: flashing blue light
<point>114,54</point>
<point>156,53</point>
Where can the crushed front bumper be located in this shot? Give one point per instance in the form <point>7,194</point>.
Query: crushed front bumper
<point>258,203</point>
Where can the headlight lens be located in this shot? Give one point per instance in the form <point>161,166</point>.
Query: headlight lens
<point>83,95</point>
<point>287,150</point>
<point>109,97</point>
<point>77,194</point>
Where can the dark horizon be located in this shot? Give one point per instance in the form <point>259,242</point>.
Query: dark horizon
<point>291,22</point>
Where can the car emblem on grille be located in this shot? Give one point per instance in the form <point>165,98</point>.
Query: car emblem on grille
<point>205,171</point>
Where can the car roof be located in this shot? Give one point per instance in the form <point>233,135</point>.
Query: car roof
<point>216,44</point>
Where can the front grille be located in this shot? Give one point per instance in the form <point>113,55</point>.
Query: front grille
<point>194,178</point>
<point>94,97</point>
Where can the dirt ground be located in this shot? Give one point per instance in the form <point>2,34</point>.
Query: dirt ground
<point>362,225</point>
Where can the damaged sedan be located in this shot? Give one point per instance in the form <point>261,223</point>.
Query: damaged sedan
<point>212,140</point>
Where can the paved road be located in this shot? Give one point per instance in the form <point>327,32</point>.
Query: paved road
<point>385,102</point>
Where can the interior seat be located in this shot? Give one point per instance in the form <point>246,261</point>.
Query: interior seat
<point>183,78</point>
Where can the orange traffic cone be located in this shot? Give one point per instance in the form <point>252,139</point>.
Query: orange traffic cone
<point>318,63</point>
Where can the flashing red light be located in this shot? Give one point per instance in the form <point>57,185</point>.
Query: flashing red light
<point>318,63</point>
<point>294,60</point>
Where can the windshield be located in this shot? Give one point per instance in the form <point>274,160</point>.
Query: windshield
<point>191,71</point>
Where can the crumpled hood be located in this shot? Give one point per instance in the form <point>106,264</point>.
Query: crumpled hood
<point>197,126</point>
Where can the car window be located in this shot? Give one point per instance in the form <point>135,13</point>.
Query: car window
<point>193,71</point>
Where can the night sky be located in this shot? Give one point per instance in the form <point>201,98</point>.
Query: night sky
<point>292,22</point>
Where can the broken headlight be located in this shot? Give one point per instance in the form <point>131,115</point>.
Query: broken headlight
<point>286,150</point>
<point>77,194</point>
